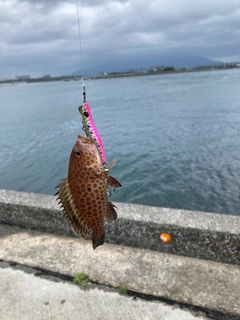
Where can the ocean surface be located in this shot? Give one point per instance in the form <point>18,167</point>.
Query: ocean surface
<point>176,137</point>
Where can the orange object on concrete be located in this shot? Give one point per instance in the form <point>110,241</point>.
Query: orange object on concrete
<point>165,237</point>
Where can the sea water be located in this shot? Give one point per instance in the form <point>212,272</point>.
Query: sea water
<point>176,137</point>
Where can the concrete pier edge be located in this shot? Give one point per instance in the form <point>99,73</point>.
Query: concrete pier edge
<point>133,255</point>
<point>200,235</point>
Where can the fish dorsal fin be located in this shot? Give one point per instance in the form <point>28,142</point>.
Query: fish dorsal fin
<point>113,182</point>
<point>80,230</point>
<point>111,212</point>
<point>78,224</point>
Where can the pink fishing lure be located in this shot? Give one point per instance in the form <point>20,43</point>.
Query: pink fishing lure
<point>91,130</point>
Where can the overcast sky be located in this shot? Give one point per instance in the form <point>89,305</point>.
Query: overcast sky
<point>40,37</point>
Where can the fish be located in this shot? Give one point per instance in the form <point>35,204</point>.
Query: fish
<point>91,130</point>
<point>83,195</point>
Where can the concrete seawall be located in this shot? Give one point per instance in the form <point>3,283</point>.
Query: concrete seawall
<point>199,268</point>
<point>194,234</point>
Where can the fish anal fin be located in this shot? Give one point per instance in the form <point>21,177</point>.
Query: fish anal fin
<point>111,212</point>
<point>98,237</point>
<point>113,182</point>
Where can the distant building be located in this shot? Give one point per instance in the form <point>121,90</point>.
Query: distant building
<point>47,76</point>
<point>5,79</point>
<point>24,77</point>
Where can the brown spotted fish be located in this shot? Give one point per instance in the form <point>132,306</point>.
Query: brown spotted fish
<point>83,195</point>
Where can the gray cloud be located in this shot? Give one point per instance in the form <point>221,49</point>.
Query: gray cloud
<point>41,36</point>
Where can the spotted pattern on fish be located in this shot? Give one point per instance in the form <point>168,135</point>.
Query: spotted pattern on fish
<point>83,195</point>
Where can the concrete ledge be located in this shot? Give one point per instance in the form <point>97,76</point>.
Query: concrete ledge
<point>44,299</point>
<point>195,234</point>
<point>197,282</point>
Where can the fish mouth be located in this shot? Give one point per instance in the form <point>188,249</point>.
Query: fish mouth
<point>83,139</point>
<point>84,142</point>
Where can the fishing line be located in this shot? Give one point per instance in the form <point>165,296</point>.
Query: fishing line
<point>87,120</point>
<point>80,50</point>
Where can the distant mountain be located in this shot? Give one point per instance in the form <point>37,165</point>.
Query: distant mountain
<point>178,62</point>
<point>191,62</point>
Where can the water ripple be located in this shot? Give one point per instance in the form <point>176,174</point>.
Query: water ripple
<point>176,138</point>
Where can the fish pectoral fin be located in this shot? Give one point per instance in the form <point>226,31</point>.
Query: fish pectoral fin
<point>98,237</point>
<point>113,182</point>
<point>111,212</point>
<point>111,165</point>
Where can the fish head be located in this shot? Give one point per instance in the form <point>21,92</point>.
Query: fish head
<point>84,158</point>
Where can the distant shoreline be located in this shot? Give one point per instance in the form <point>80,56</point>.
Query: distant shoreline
<point>120,75</point>
<point>152,73</point>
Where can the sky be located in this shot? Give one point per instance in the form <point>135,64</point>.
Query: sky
<point>39,37</point>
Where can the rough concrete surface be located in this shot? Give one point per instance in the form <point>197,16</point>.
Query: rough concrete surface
<point>202,283</point>
<point>195,234</point>
<point>25,297</point>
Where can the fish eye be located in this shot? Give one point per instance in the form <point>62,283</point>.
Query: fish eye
<point>78,153</point>
<point>86,114</point>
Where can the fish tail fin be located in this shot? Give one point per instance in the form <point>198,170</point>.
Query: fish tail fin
<point>111,212</point>
<point>98,237</point>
